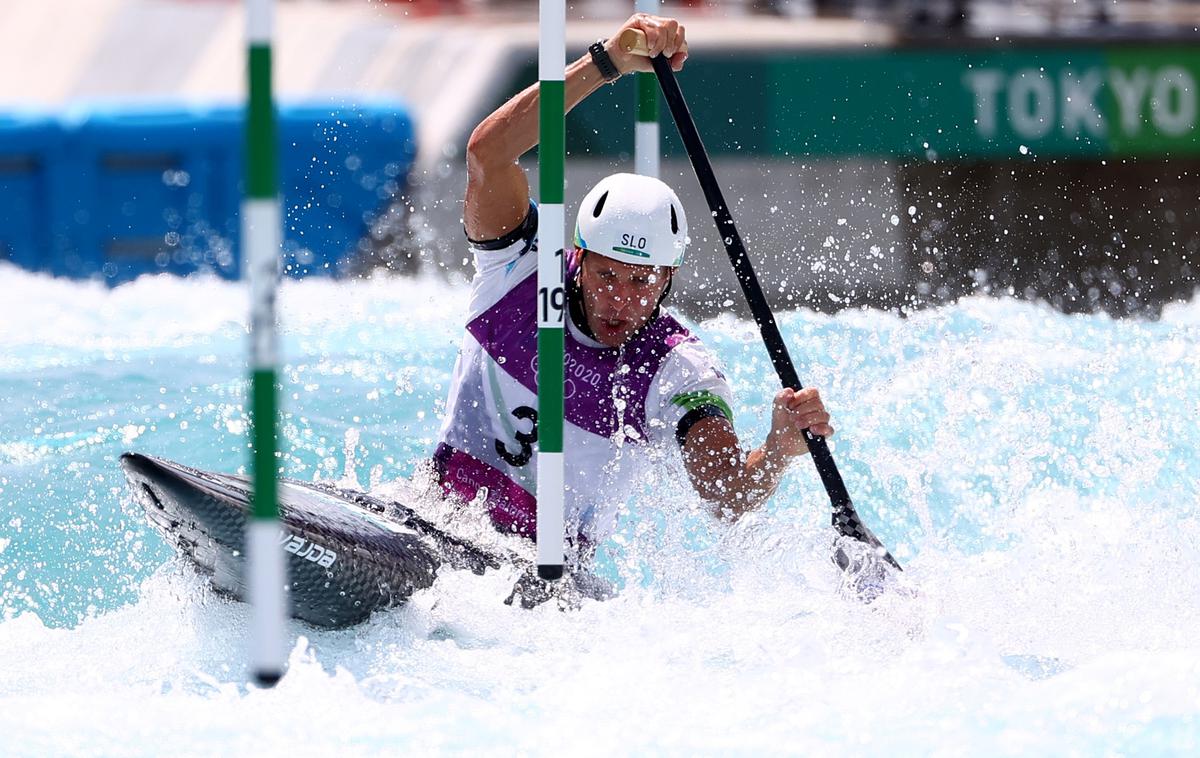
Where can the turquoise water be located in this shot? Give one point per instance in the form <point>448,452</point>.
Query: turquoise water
<point>1036,473</point>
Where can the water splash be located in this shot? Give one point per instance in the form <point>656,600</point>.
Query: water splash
<point>1031,470</point>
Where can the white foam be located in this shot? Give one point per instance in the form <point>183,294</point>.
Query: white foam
<point>1033,471</point>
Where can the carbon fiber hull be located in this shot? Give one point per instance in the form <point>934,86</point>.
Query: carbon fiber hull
<point>348,554</point>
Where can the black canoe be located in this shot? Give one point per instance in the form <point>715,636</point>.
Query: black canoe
<point>348,554</point>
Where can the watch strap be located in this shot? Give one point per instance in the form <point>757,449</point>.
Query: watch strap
<point>604,61</point>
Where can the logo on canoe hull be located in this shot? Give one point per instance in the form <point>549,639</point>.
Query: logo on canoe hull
<point>309,551</point>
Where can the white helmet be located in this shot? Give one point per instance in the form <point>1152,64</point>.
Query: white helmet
<point>633,219</point>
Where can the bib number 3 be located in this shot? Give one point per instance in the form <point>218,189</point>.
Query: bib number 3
<point>524,439</point>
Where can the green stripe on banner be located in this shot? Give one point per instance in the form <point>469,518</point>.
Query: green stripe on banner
<point>1061,101</point>
<point>263,404</point>
<point>551,107</point>
<point>550,390</point>
<point>690,401</point>
<point>647,97</point>
<point>261,171</point>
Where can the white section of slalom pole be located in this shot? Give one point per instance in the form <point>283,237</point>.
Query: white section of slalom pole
<point>646,146</point>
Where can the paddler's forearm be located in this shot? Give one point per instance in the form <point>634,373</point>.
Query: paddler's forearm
<point>793,412</point>
<point>751,484</point>
<point>735,483</point>
<point>512,129</point>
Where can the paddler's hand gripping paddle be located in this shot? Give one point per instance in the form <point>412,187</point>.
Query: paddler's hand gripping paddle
<point>845,518</point>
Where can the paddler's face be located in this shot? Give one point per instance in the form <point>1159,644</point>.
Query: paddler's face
<point>619,298</point>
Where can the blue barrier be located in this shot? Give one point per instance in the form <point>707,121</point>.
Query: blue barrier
<point>151,192</point>
<point>30,169</point>
<point>339,169</point>
<point>118,192</point>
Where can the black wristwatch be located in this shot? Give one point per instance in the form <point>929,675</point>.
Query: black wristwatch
<point>604,62</point>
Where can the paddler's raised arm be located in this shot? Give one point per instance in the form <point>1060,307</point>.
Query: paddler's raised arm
<point>497,190</point>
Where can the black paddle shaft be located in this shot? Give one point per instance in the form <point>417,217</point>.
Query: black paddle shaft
<point>845,518</point>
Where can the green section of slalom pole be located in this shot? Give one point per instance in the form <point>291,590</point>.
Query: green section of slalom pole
<point>647,82</point>
<point>647,97</point>
<point>264,407</point>
<point>262,174</point>
<point>552,140</point>
<point>550,390</point>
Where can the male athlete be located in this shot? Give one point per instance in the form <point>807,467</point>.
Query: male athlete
<point>634,375</point>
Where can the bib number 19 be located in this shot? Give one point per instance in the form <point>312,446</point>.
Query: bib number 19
<point>548,302</point>
<point>551,302</point>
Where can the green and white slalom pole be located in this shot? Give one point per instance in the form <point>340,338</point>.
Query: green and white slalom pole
<point>645,136</point>
<point>552,64</point>
<point>262,231</point>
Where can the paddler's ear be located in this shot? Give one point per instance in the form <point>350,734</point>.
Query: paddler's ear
<point>669,272</point>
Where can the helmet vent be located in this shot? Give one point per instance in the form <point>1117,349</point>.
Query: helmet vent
<point>674,221</point>
<point>599,206</point>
